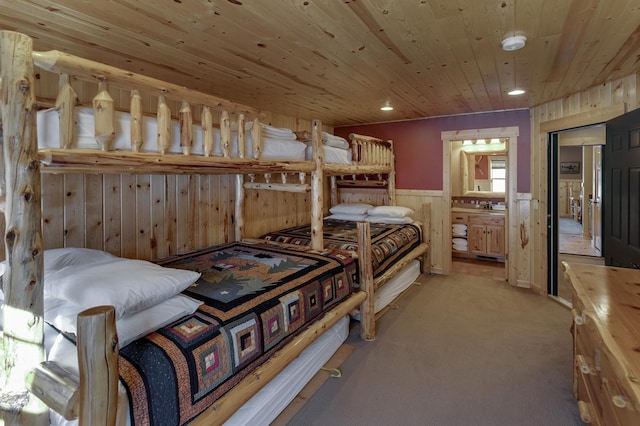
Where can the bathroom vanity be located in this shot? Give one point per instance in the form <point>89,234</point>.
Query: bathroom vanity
<point>478,232</point>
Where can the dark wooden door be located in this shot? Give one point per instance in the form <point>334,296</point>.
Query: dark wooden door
<point>622,191</point>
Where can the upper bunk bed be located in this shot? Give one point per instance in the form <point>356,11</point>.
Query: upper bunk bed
<point>24,163</point>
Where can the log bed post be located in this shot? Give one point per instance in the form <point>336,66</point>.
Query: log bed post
<point>185,118</point>
<point>241,136</point>
<point>317,178</point>
<point>104,117</point>
<point>98,366</point>
<point>65,101</point>
<point>365,267</point>
<point>23,309</point>
<point>392,178</point>
<point>164,126</point>
<point>225,134</point>
<point>136,121</point>
<point>206,121</point>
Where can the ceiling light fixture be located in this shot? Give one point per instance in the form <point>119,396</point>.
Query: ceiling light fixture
<point>386,107</point>
<point>513,42</point>
<point>516,92</point>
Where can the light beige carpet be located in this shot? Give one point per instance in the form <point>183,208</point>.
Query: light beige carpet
<point>458,351</point>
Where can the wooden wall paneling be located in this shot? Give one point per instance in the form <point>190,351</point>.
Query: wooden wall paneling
<point>170,215</point>
<point>128,214</point>
<point>158,237</point>
<point>74,225</point>
<point>94,208</point>
<point>225,199</point>
<point>206,208</point>
<point>414,199</point>
<point>184,214</point>
<point>112,214</point>
<point>522,230</point>
<point>53,200</point>
<point>143,217</point>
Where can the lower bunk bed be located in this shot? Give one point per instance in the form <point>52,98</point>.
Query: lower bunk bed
<point>254,308</point>
<point>387,258</point>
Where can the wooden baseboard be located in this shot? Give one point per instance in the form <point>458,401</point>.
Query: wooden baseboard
<point>314,384</point>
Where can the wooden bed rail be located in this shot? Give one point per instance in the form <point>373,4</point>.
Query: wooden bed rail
<point>69,66</point>
<point>65,63</point>
<point>368,150</point>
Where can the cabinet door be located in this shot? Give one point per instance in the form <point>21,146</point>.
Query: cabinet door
<point>495,240</point>
<point>477,238</point>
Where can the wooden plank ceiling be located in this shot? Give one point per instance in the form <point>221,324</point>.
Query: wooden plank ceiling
<point>340,60</point>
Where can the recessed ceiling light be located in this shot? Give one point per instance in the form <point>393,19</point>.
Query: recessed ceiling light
<point>386,108</point>
<point>516,92</point>
<point>514,42</point>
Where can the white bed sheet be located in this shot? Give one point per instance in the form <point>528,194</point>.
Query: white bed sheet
<point>48,136</point>
<point>403,279</point>
<point>262,408</point>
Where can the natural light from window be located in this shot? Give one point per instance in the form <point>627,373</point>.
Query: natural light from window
<point>498,174</point>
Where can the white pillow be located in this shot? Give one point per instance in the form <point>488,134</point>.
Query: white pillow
<point>129,285</point>
<point>63,315</point>
<point>344,216</point>
<point>389,219</point>
<point>391,211</point>
<point>350,208</point>
<point>56,259</point>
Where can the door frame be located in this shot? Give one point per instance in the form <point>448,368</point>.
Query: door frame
<point>511,195</point>
<point>588,118</point>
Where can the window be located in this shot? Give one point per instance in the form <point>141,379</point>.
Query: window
<point>498,167</point>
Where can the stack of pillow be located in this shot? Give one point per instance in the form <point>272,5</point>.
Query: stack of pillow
<point>356,212</point>
<point>145,295</point>
<point>389,214</point>
<point>363,212</point>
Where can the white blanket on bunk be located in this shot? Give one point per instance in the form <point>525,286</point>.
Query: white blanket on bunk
<point>278,144</point>
<point>332,155</point>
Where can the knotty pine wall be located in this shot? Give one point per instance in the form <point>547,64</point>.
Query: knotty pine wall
<point>151,216</point>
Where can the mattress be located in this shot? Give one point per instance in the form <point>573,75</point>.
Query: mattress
<point>256,296</point>
<point>332,155</point>
<point>399,283</point>
<point>265,405</point>
<point>389,242</point>
<point>48,136</point>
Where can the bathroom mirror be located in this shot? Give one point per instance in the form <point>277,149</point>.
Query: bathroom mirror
<point>483,174</point>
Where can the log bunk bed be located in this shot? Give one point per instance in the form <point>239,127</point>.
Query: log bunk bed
<point>93,397</point>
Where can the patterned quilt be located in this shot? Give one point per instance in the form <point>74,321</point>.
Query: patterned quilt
<point>257,296</point>
<point>388,242</point>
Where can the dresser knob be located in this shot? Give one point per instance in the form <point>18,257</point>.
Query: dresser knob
<point>578,318</point>
<point>582,363</point>
<point>619,401</point>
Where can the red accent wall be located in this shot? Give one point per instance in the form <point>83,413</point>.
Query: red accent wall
<point>418,145</point>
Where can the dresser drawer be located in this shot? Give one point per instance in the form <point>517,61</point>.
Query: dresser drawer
<point>459,217</point>
<point>617,404</point>
<point>485,219</point>
<point>587,364</point>
<point>589,412</point>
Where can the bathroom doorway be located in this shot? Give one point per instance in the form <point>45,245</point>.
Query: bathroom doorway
<point>452,166</point>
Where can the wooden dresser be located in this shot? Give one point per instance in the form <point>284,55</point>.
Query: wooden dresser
<point>606,343</point>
